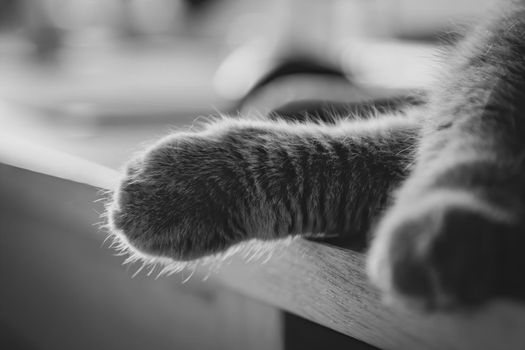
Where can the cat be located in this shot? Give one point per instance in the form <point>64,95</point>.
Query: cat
<point>440,186</point>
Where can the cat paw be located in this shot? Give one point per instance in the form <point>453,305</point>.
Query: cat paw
<point>174,200</point>
<point>448,250</point>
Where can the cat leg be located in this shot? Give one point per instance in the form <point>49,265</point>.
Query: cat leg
<point>197,194</point>
<point>455,235</point>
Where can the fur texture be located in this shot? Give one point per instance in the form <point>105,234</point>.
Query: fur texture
<point>195,194</point>
<point>445,181</point>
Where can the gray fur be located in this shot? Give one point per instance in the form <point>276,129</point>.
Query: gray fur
<point>453,230</point>
<point>195,194</point>
<point>454,235</point>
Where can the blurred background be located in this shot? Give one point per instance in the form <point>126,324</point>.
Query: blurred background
<point>98,78</point>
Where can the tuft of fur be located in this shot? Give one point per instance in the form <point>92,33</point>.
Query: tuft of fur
<point>445,180</point>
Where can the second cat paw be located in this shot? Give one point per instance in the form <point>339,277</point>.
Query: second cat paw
<point>450,249</point>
